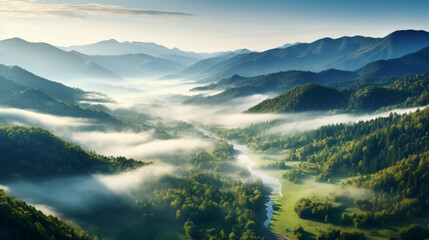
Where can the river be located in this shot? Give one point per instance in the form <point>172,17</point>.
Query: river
<point>243,159</point>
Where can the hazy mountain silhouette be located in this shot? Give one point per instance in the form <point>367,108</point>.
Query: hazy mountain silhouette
<point>135,65</point>
<point>113,47</point>
<point>50,62</point>
<point>345,53</point>
<point>54,89</point>
<point>208,64</point>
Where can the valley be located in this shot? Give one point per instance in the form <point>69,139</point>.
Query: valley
<point>122,139</point>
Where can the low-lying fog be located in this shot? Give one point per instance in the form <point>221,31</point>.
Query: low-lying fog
<point>72,195</point>
<point>162,100</point>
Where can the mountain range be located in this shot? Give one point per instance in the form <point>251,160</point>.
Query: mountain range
<point>135,65</point>
<point>113,47</point>
<point>407,92</point>
<point>378,72</point>
<point>50,62</point>
<point>345,53</point>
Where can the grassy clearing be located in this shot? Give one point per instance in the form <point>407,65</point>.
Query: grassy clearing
<point>285,218</point>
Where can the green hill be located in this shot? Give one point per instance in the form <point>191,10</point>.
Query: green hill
<point>307,97</point>
<point>407,92</point>
<point>20,221</point>
<point>34,152</point>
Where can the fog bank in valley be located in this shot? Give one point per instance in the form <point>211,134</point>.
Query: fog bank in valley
<point>308,121</point>
<point>70,195</point>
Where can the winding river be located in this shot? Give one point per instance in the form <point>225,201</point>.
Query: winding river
<point>243,159</point>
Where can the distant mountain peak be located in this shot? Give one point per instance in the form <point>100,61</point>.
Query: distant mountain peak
<point>401,34</point>
<point>15,39</point>
<point>289,45</point>
<point>112,40</point>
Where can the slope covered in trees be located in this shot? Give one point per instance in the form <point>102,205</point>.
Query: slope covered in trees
<point>207,201</point>
<point>387,156</point>
<point>16,96</point>
<point>365,147</point>
<point>33,152</point>
<point>308,97</point>
<point>407,92</point>
<point>19,221</point>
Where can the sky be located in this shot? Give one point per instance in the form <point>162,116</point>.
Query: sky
<point>204,25</point>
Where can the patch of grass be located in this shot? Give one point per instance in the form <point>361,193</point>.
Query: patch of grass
<point>285,218</point>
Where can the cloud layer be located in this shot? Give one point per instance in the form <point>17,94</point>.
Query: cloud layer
<point>32,9</point>
<point>140,146</point>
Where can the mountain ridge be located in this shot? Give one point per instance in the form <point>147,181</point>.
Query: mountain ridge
<point>344,53</point>
<point>378,72</point>
<point>48,61</point>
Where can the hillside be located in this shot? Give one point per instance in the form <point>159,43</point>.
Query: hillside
<point>16,96</point>
<point>50,62</point>
<point>20,221</point>
<point>417,62</point>
<point>307,97</point>
<point>30,152</point>
<point>346,53</point>
<point>54,89</point>
<point>377,73</point>
<point>407,92</point>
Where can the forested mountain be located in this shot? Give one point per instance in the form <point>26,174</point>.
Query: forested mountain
<point>54,89</point>
<point>50,62</point>
<point>30,152</point>
<point>307,97</point>
<point>135,65</point>
<point>17,96</point>
<point>376,73</point>
<point>417,62</point>
<point>407,92</point>
<point>20,221</point>
<point>346,53</point>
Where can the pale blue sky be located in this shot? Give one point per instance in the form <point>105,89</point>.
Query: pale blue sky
<point>207,25</point>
